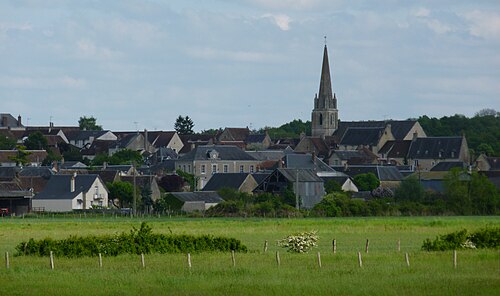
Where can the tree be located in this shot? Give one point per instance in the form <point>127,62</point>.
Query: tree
<point>184,125</point>
<point>146,200</point>
<point>126,156</point>
<point>332,186</point>
<point>89,124</point>
<point>21,157</point>
<point>410,190</point>
<point>7,143</point>
<point>36,141</point>
<point>121,191</point>
<point>485,149</point>
<point>366,182</point>
<point>486,112</point>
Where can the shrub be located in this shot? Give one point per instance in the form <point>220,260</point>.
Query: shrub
<point>300,242</point>
<point>483,238</point>
<point>136,242</point>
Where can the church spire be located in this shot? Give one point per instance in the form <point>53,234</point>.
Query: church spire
<point>325,86</point>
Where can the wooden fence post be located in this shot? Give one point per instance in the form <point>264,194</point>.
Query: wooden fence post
<point>407,260</point>
<point>100,260</point>
<point>319,260</point>
<point>360,261</point>
<point>265,246</point>
<point>399,245</point>
<point>142,261</point>
<point>233,259</point>
<point>7,263</point>
<point>454,258</point>
<point>189,260</point>
<point>278,261</point>
<point>367,245</point>
<point>334,246</point>
<point>51,260</point>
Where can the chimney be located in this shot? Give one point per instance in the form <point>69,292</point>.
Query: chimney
<point>415,136</point>
<point>104,165</point>
<point>72,184</point>
<point>146,140</point>
<point>51,125</point>
<point>19,124</point>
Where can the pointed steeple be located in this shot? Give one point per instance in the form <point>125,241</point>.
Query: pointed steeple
<point>325,86</point>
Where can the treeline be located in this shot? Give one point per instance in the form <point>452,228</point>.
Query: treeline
<point>481,131</point>
<point>465,194</point>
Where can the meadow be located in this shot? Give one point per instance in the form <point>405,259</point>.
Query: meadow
<point>384,270</point>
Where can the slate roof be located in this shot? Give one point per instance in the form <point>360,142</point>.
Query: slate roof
<point>12,189</point>
<point>225,153</point>
<point>10,121</point>
<point>83,135</point>
<point>305,161</point>
<point>399,128</point>
<point>494,163</point>
<point>259,138</point>
<point>355,136</point>
<point>304,175</point>
<point>383,173</point>
<point>58,186</point>
<point>45,172</point>
<point>259,177</point>
<point>395,149</point>
<point>160,138</point>
<point>107,176</point>
<point>226,180</point>
<point>197,196</point>
<point>445,166</point>
<point>8,173</point>
<point>267,154</point>
<point>360,156</point>
<point>195,139</point>
<point>435,148</point>
<point>36,182</point>
<point>98,147</point>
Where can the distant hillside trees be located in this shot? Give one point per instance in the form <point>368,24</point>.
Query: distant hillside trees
<point>481,131</point>
<point>292,129</point>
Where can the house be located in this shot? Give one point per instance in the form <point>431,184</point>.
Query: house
<point>352,157</point>
<point>65,193</point>
<point>7,121</point>
<point>144,181</point>
<point>192,141</point>
<point>307,186</point>
<point>196,201</point>
<point>389,176</point>
<point>320,147</point>
<point>131,141</point>
<point>34,157</point>
<point>242,182</point>
<point>402,130</point>
<point>14,199</point>
<point>83,139</point>
<point>424,153</point>
<point>485,163</point>
<point>373,138</point>
<point>395,152</point>
<point>204,161</point>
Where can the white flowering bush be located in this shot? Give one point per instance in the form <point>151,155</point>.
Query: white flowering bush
<point>300,242</point>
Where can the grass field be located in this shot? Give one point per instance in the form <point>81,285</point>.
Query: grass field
<point>384,270</point>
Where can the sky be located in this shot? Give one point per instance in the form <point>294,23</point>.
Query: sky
<point>256,63</point>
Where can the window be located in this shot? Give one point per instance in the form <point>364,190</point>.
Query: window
<point>321,119</point>
<point>251,169</point>
<point>184,168</point>
<point>214,168</point>
<point>189,168</point>
<point>242,169</point>
<point>225,168</point>
<point>202,168</point>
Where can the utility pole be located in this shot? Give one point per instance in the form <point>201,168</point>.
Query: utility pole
<point>297,206</point>
<point>134,204</point>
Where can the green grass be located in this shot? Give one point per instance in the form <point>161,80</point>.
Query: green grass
<point>384,270</point>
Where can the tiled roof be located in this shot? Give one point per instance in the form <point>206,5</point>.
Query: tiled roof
<point>399,128</point>
<point>306,161</point>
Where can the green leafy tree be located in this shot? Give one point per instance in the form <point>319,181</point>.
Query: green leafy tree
<point>332,186</point>
<point>189,178</point>
<point>146,200</point>
<point>121,191</point>
<point>366,182</point>
<point>36,141</point>
<point>485,148</point>
<point>89,124</point>
<point>7,143</point>
<point>410,190</point>
<point>21,157</point>
<point>184,125</point>
<point>126,156</point>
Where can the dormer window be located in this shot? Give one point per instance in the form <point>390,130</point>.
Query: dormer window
<point>212,154</point>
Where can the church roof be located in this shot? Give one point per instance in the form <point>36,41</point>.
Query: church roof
<point>325,86</point>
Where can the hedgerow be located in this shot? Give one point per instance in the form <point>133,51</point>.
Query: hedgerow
<point>137,241</point>
<point>483,238</point>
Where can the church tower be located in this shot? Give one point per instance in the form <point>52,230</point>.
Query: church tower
<point>324,119</point>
